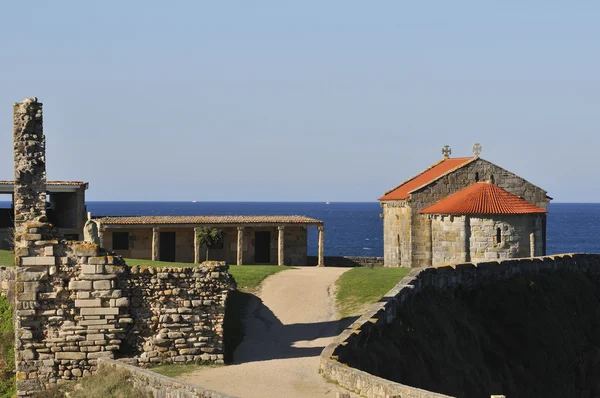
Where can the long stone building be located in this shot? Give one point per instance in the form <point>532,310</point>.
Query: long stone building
<point>463,209</point>
<point>280,240</point>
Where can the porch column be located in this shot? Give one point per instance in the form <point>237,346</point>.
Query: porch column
<point>155,244</point>
<point>196,246</point>
<point>321,262</point>
<point>280,246</point>
<point>532,244</point>
<point>240,246</point>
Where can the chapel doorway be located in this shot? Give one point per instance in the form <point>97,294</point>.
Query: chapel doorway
<point>262,246</point>
<point>167,246</point>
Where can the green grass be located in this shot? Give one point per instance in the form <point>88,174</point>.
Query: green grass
<point>7,353</point>
<point>359,288</point>
<point>7,257</point>
<point>106,383</point>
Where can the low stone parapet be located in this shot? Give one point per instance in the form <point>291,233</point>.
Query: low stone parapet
<point>347,261</point>
<point>466,276</point>
<point>158,385</point>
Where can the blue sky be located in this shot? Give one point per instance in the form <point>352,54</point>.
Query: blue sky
<point>274,101</point>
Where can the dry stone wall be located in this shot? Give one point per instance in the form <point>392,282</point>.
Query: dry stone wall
<point>76,303</point>
<point>459,276</point>
<point>179,312</point>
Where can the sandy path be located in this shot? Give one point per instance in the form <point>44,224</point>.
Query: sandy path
<point>285,333</point>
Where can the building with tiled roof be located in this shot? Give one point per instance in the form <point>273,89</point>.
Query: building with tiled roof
<point>257,239</point>
<point>462,210</point>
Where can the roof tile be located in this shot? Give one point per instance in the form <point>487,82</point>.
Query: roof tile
<point>403,190</point>
<point>482,198</point>
<point>157,220</point>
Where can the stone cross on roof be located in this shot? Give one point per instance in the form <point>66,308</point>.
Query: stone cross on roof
<point>477,149</point>
<point>446,151</point>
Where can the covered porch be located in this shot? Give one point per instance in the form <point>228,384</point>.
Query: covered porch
<point>277,240</point>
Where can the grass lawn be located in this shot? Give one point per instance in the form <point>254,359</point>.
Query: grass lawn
<point>359,288</point>
<point>7,258</point>
<point>248,277</point>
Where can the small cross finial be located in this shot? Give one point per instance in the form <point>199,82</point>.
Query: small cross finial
<point>446,151</point>
<point>477,149</point>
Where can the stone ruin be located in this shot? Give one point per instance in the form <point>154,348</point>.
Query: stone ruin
<point>75,302</point>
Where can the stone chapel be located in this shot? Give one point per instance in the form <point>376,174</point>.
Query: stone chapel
<point>463,210</point>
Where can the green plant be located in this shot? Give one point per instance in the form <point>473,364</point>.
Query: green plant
<point>209,238</point>
<point>7,353</point>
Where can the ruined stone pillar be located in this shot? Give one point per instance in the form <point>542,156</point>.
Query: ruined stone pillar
<point>281,245</point>
<point>321,261</point>
<point>196,246</point>
<point>155,244</point>
<point>101,231</point>
<point>29,146</point>
<point>240,245</point>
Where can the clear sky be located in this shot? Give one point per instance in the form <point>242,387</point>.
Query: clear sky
<point>310,101</point>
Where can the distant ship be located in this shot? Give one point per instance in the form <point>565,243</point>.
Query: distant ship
<point>193,201</point>
<point>326,203</point>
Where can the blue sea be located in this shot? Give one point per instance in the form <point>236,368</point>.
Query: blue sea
<point>356,229</point>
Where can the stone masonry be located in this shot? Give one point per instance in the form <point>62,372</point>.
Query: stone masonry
<point>76,303</point>
<point>407,233</point>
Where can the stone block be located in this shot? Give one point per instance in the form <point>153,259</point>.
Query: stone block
<point>70,355</point>
<point>88,269</point>
<point>102,285</point>
<point>80,285</point>
<point>120,302</point>
<point>85,249</point>
<point>93,322</point>
<point>25,261</point>
<point>101,354</point>
<point>95,337</point>
<point>88,303</point>
<point>99,311</point>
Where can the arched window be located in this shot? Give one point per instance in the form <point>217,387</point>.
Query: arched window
<point>492,180</point>
<point>498,236</point>
<point>477,177</point>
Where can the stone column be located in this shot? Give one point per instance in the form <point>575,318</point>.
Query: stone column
<point>196,246</point>
<point>29,144</point>
<point>532,244</point>
<point>281,245</point>
<point>155,244</point>
<point>321,262</point>
<point>240,245</point>
<point>101,231</point>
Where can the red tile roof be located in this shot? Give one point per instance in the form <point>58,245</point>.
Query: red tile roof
<point>444,166</point>
<point>158,220</point>
<point>482,198</point>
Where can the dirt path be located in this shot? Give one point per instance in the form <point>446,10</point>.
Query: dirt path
<point>285,333</point>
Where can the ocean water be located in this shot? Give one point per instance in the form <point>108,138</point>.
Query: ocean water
<point>356,229</point>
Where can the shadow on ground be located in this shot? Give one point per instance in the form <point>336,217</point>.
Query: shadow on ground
<point>253,333</point>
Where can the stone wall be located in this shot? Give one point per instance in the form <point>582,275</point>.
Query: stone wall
<point>348,261</point>
<point>449,239</point>
<point>515,237</point>
<point>75,302</point>
<point>464,276</point>
<point>179,313</point>
<point>158,385</point>
<point>397,221</point>
<point>402,218</point>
